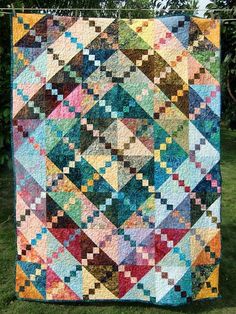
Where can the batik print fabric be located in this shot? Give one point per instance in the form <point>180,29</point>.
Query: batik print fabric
<point>116,156</point>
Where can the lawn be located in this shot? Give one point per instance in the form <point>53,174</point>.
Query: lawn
<point>9,303</point>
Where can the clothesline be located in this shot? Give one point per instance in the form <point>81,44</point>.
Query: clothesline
<point>156,10</point>
<point>115,9</point>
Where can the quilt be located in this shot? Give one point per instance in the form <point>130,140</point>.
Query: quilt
<point>116,152</point>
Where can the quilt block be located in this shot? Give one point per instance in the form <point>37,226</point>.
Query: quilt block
<point>116,156</point>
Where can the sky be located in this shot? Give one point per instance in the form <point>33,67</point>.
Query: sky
<point>202,5</point>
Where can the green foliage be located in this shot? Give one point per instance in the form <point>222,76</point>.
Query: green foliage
<point>5,94</point>
<point>191,5</point>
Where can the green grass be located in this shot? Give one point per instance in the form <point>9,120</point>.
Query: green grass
<point>9,304</point>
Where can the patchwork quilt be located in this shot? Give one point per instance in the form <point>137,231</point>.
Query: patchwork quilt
<point>116,156</point>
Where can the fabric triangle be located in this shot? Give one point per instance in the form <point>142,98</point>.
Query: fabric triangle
<point>129,275</point>
<point>24,287</point>
<point>36,275</point>
<point>128,39</point>
<point>181,292</point>
<point>25,22</point>
<point>117,103</point>
<point>57,289</point>
<point>210,286</point>
<point>93,289</point>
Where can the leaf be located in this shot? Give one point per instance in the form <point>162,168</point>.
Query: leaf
<point>6,113</point>
<point>1,141</point>
<point>1,159</point>
<point>9,164</point>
